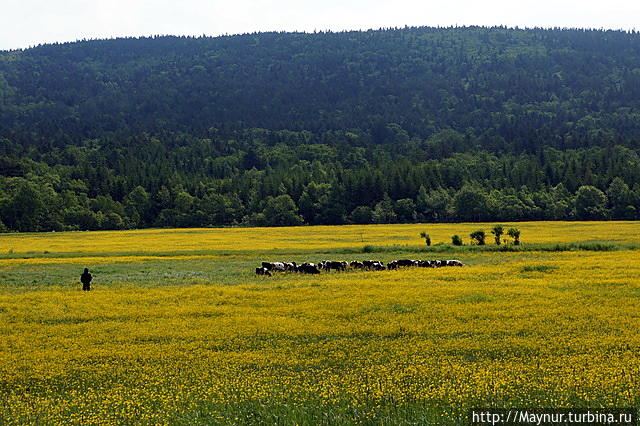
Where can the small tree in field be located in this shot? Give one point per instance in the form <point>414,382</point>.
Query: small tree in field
<point>515,234</point>
<point>456,240</point>
<point>427,238</point>
<point>497,231</point>
<point>478,236</point>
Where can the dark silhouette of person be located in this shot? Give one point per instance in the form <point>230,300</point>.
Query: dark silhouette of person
<point>86,278</point>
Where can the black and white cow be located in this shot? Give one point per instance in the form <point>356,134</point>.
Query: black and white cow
<point>307,268</point>
<point>407,262</point>
<point>328,265</point>
<point>274,266</point>
<point>356,264</point>
<point>376,265</point>
<point>290,266</point>
<point>263,271</point>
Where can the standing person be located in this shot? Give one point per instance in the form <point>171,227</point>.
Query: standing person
<point>86,278</point>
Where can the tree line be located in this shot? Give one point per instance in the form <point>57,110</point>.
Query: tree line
<point>318,184</point>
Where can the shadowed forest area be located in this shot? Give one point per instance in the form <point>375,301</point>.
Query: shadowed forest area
<point>271,129</point>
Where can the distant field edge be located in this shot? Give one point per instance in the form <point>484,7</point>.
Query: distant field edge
<point>354,250</point>
<point>344,226</point>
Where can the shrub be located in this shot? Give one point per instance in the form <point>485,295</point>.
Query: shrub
<point>497,231</point>
<point>456,240</point>
<point>478,236</point>
<point>515,234</point>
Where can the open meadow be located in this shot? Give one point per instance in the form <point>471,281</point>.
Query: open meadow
<point>178,329</point>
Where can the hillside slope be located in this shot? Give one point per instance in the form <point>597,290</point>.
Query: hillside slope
<point>325,123</point>
<point>531,87</point>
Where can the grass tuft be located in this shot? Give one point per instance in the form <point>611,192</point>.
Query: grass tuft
<point>538,268</point>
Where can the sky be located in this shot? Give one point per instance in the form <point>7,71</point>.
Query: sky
<point>25,23</point>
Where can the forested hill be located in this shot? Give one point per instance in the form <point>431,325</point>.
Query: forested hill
<point>285,128</point>
<point>529,87</point>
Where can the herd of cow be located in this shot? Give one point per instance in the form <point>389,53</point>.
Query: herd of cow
<point>369,265</point>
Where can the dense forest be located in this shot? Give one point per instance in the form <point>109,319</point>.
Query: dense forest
<point>397,125</point>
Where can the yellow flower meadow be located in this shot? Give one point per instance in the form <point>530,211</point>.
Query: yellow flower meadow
<point>511,329</point>
<point>301,238</point>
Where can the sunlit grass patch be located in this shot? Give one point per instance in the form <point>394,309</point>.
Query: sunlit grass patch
<point>539,268</point>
